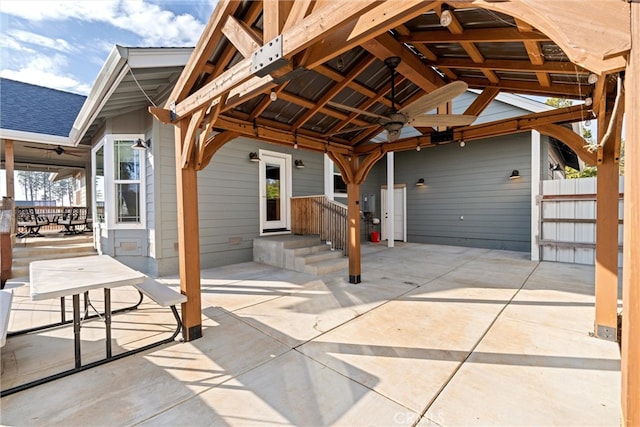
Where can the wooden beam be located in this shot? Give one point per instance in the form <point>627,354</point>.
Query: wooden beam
<point>305,103</point>
<point>274,17</point>
<point>188,240</point>
<point>510,65</point>
<point>631,270</point>
<point>312,29</point>
<point>455,27</point>
<point>358,87</point>
<point>190,137</point>
<point>484,35</point>
<point>594,38</point>
<point>298,12</point>
<point>243,38</point>
<point>606,268</point>
<point>410,65</point>
<point>570,139</point>
<point>204,48</point>
<point>367,164</point>
<point>161,114</point>
<point>277,136</point>
<point>482,101</point>
<point>384,16</point>
<point>491,129</point>
<point>212,145</point>
<point>403,31</point>
<point>335,90</point>
<point>531,88</point>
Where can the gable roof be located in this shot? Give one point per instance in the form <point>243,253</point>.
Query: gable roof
<point>27,109</point>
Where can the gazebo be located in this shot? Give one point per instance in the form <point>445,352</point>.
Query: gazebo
<point>328,76</point>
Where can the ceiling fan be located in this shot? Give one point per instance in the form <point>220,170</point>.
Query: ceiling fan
<point>414,114</point>
<point>58,150</point>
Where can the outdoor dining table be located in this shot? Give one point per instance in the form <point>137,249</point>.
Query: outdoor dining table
<point>74,276</point>
<point>59,278</point>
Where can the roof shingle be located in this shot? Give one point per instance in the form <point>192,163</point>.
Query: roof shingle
<point>30,108</point>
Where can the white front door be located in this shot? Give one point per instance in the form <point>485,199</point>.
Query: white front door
<point>399,216</point>
<point>275,192</point>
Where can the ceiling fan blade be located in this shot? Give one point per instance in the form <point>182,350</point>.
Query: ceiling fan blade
<point>351,129</point>
<point>441,120</point>
<point>356,110</point>
<point>39,148</point>
<point>435,98</point>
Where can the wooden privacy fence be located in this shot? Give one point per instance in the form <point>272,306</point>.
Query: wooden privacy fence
<point>321,216</point>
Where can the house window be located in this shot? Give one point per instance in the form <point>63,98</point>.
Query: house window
<point>127,181</point>
<point>119,182</point>
<point>339,186</point>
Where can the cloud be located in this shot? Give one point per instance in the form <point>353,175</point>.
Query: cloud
<point>154,25</point>
<point>47,69</point>
<point>39,40</point>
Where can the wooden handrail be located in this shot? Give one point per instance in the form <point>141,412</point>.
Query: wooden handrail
<point>321,216</point>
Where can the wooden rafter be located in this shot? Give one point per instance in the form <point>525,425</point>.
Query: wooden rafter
<point>242,36</point>
<point>534,51</point>
<point>204,48</point>
<point>372,23</point>
<point>455,27</point>
<point>482,101</point>
<point>335,90</point>
<point>485,35</point>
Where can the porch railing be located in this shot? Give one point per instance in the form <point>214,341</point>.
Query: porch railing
<point>321,216</point>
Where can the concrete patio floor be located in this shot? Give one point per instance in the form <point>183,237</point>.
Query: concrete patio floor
<point>434,335</point>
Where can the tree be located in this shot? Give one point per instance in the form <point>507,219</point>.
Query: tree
<point>559,102</point>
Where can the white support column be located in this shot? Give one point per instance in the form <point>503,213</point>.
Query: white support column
<point>390,202</point>
<point>535,194</point>
<point>328,177</point>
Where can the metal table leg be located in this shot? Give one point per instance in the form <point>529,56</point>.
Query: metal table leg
<point>107,319</point>
<point>76,330</point>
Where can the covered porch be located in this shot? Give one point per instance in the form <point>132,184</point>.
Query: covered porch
<point>440,335</point>
<point>251,70</point>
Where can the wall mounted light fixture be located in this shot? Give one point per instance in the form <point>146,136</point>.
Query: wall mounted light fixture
<point>299,164</point>
<point>515,174</point>
<point>142,145</point>
<point>253,156</point>
<point>420,183</point>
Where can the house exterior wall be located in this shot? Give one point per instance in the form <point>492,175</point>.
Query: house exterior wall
<point>469,199</point>
<point>227,196</point>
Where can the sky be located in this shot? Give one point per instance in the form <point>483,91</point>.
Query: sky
<point>62,44</point>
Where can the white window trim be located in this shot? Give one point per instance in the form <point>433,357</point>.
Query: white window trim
<point>94,210</point>
<point>109,184</point>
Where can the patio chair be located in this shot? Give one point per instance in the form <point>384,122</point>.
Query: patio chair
<point>28,218</point>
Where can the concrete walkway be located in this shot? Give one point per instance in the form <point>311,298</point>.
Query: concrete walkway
<point>435,335</point>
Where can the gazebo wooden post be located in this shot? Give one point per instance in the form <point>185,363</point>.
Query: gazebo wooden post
<point>631,271</point>
<point>606,269</point>
<point>353,218</point>
<point>188,239</point>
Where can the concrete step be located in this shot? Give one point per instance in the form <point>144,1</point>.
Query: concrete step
<point>48,252</point>
<point>327,266</point>
<point>314,258</point>
<point>53,240</point>
<point>306,254</point>
<point>25,261</point>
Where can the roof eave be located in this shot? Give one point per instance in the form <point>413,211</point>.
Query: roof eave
<point>32,137</point>
<point>119,62</point>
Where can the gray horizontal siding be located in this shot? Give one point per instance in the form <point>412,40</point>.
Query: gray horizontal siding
<point>228,201</point>
<point>472,182</point>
